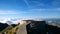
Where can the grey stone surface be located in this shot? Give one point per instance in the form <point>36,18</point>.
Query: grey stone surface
<point>22,27</point>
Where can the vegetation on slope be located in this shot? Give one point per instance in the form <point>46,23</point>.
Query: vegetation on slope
<point>11,29</point>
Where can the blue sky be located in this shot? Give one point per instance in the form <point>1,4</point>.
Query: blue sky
<point>29,9</point>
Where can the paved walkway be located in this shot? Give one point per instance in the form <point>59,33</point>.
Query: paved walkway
<point>22,28</point>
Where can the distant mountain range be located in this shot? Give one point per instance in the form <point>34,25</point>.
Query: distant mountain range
<point>53,20</point>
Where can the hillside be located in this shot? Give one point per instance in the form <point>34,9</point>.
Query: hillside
<point>11,29</point>
<point>3,26</point>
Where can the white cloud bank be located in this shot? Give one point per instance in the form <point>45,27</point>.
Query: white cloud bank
<point>10,21</point>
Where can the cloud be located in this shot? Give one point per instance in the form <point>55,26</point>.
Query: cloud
<point>7,12</point>
<point>58,9</point>
<point>26,1</point>
<point>43,3</point>
<point>46,10</point>
<point>10,21</point>
<point>12,12</point>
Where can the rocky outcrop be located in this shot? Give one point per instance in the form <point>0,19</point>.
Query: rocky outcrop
<point>34,25</point>
<point>37,27</point>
